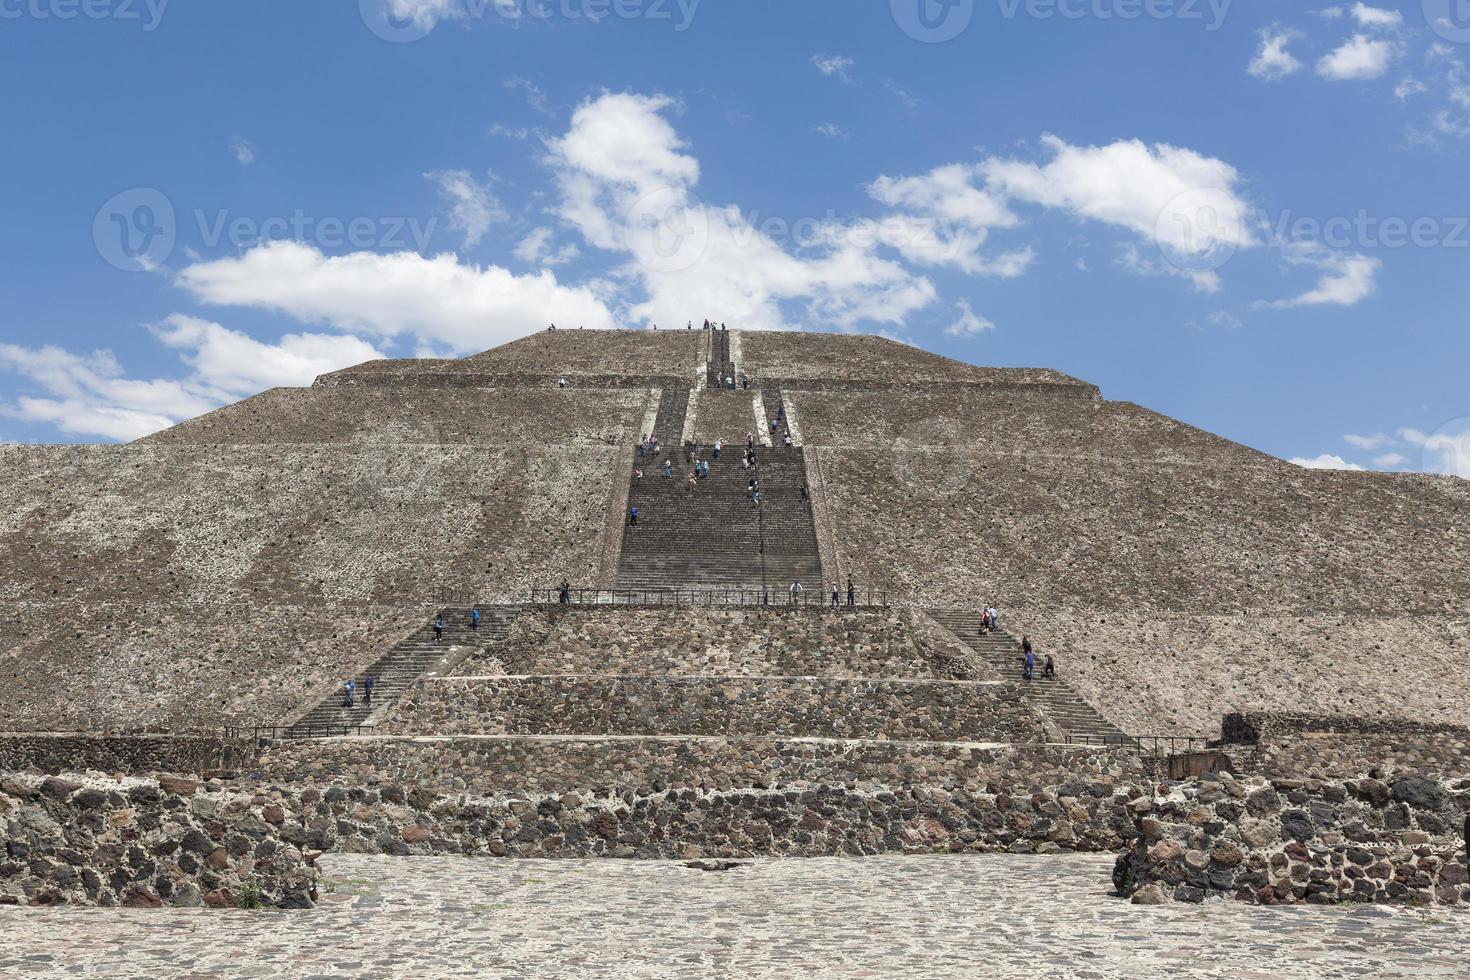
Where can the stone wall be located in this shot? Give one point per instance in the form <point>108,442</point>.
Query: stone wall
<point>1296,745</point>
<point>122,754</point>
<point>147,843</point>
<point>727,415</point>
<point>646,765</point>
<point>823,820</point>
<point>1293,840</point>
<point>728,642</point>
<point>778,706</point>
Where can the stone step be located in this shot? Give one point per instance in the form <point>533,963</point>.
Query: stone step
<point>586,704</point>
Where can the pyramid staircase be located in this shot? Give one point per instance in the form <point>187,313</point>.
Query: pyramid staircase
<point>1054,697</point>
<point>412,657</point>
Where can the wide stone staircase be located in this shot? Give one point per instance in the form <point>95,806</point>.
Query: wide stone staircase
<point>393,673</point>
<point>1057,701</point>
<point>715,538</point>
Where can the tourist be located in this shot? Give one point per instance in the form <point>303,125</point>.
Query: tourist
<point>637,476</point>
<point>795,593</point>
<point>642,446</point>
<point>704,468</point>
<point>984,621</point>
<point>693,481</point>
<point>1050,670</point>
<point>367,690</point>
<point>787,439</point>
<point>851,593</point>
<point>719,447</point>
<point>745,461</point>
<point>752,486</point>
<point>561,382</point>
<point>438,627</point>
<point>668,468</point>
<point>835,596</point>
<point>1029,665</point>
<point>806,494</point>
<point>474,618</point>
<point>632,516</point>
<point>348,690</point>
<point>994,619</point>
<point>755,500</point>
<point>564,593</point>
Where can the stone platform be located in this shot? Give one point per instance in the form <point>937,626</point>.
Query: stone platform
<point>996,916</point>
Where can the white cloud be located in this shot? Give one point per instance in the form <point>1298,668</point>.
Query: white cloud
<point>1444,452</point>
<point>834,65</point>
<point>833,130</point>
<point>1408,88</point>
<point>243,151</point>
<point>88,394</point>
<point>969,324</point>
<point>909,100</point>
<point>1368,443</point>
<point>1273,61</point>
<point>535,97</point>
<point>439,300</point>
<point>627,185</point>
<point>945,219</point>
<point>425,14</point>
<point>536,249</point>
<point>1360,58</point>
<point>472,206</point>
<point>233,364</point>
<point>1376,16</point>
<point>1326,462</point>
<point>1389,461</point>
<point>1158,192</point>
<point>1347,278</point>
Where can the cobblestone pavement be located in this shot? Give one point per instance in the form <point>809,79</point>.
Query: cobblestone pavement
<point>983,916</point>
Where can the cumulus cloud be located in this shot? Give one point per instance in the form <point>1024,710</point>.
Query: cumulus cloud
<point>944,219</point>
<point>1272,60</point>
<point>1360,58</point>
<point>438,300</point>
<point>627,185</point>
<point>969,324</point>
<point>832,130</point>
<point>1444,452</point>
<point>536,249</point>
<point>1377,17</point>
<point>472,206</point>
<point>1160,192</point>
<point>1368,443</point>
<point>89,394</point>
<point>1347,278</point>
<point>1326,462</point>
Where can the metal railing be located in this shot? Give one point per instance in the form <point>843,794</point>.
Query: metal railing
<point>256,733</point>
<point>1162,745</point>
<point>774,598</point>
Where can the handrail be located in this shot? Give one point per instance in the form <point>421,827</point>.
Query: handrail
<point>774,598</point>
<point>1158,745</point>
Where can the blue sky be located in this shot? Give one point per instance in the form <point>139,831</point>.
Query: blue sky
<point>1250,217</point>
